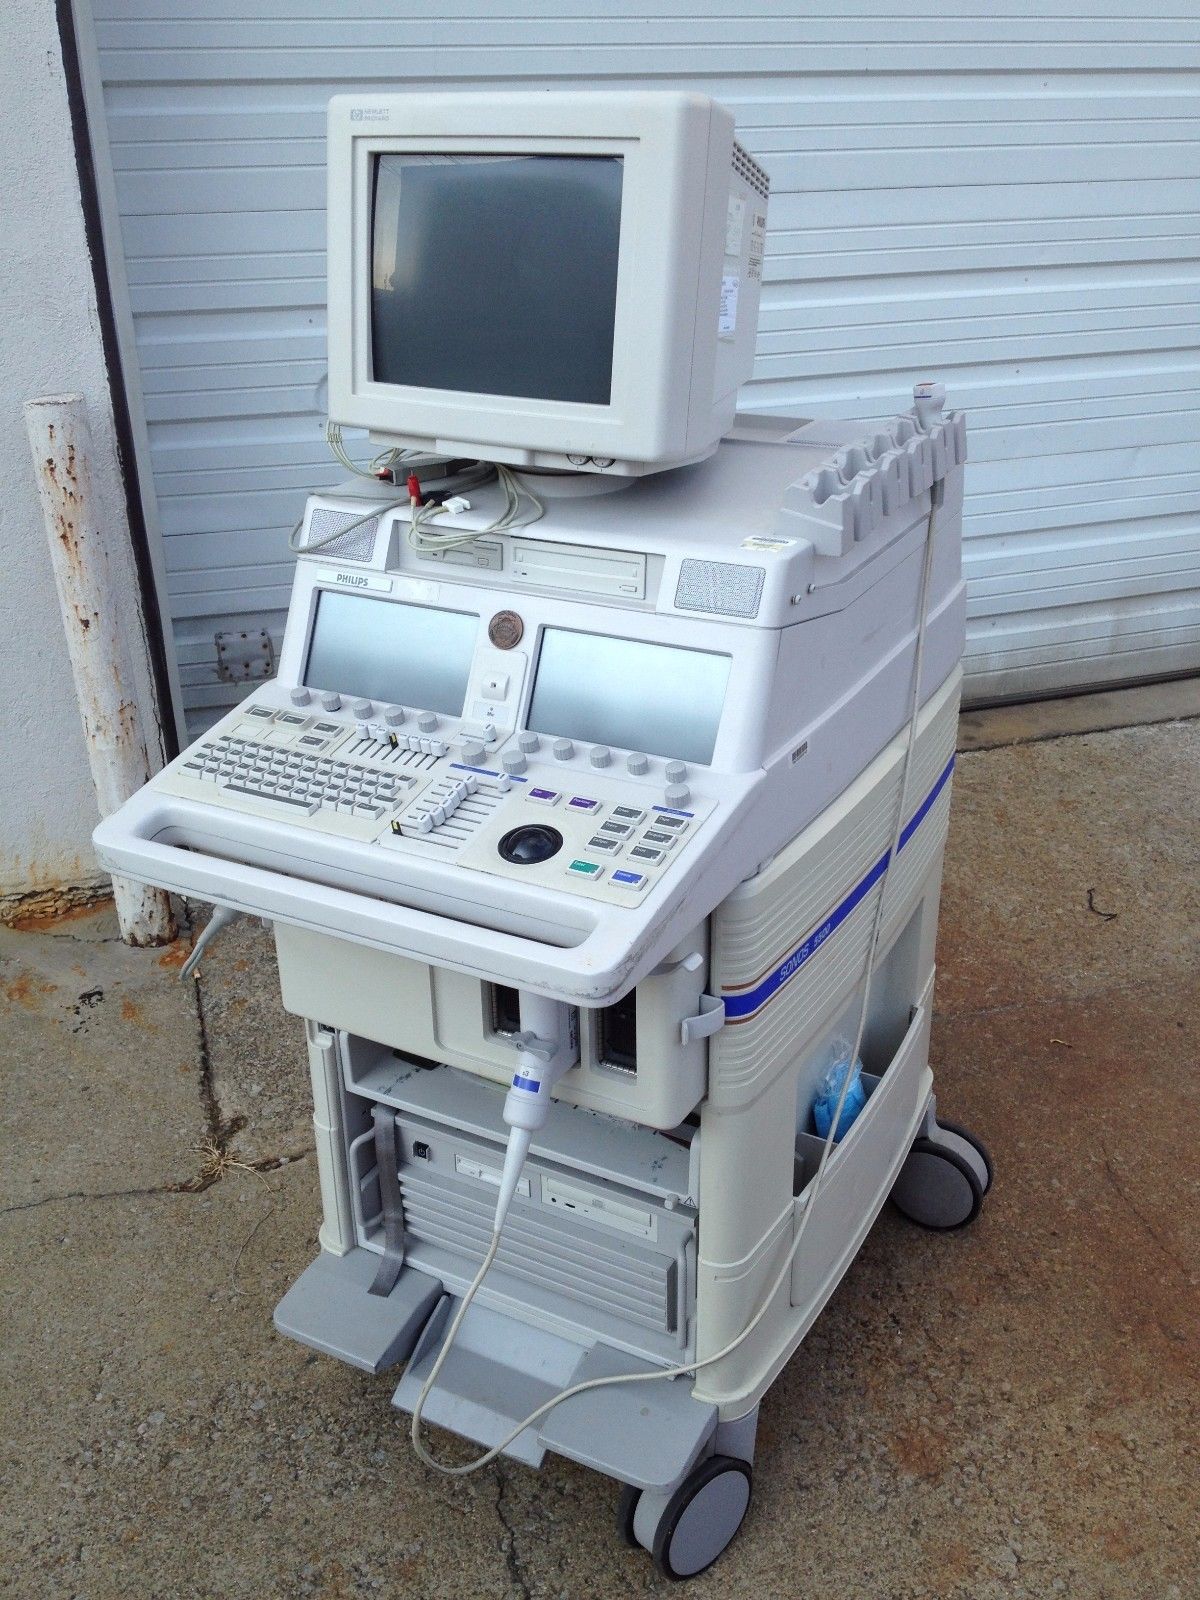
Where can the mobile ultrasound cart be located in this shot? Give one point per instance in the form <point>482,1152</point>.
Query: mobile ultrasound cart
<point>582,840</point>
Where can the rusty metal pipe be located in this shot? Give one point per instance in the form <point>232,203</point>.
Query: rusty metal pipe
<point>96,617</point>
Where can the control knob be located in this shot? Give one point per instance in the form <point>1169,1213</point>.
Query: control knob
<point>638,765</point>
<point>472,752</point>
<point>678,794</point>
<point>299,697</point>
<point>513,761</point>
<point>600,756</point>
<point>362,709</point>
<point>331,702</point>
<point>563,749</point>
<point>427,721</point>
<point>676,771</point>
<point>394,716</point>
<point>528,741</point>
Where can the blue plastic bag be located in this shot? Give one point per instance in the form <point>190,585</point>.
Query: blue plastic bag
<point>830,1088</point>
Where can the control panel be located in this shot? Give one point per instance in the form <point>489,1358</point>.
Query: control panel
<point>603,837</point>
<point>583,820</point>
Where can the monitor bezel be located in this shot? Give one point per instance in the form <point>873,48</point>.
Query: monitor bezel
<point>672,219</point>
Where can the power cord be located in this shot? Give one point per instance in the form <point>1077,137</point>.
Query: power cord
<point>521,507</point>
<point>690,1367</point>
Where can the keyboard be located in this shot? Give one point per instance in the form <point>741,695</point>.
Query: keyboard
<point>302,783</point>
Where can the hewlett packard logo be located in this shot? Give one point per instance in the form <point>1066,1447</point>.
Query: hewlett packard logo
<point>369,114</point>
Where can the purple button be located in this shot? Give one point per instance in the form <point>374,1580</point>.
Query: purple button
<point>546,797</point>
<point>580,804</point>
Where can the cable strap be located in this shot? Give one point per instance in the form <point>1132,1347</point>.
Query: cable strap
<point>386,1165</point>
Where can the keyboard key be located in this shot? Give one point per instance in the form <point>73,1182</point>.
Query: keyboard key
<point>306,806</point>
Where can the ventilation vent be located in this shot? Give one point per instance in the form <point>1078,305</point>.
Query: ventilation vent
<point>354,546</point>
<point>627,1278</point>
<point>719,587</point>
<point>746,167</point>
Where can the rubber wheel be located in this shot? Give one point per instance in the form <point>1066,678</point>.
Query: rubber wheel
<point>626,1507</point>
<point>937,1189</point>
<point>702,1517</point>
<point>976,1143</point>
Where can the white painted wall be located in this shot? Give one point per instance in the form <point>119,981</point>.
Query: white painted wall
<point>49,343</point>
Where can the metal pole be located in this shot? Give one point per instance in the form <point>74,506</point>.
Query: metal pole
<point>92,607</point>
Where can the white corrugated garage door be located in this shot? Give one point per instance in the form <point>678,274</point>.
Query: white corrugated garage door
<point>1004,195</point>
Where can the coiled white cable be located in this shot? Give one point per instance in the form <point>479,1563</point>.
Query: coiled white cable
<point>782,1275</point>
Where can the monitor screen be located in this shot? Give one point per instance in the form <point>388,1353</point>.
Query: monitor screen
<point>383,650</point>
<point>637,696</point>
<point>496,274</point>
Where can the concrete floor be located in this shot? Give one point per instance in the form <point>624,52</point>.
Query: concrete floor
<point>1007,1412</point>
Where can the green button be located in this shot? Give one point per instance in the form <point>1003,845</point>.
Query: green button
<point>586,869</point>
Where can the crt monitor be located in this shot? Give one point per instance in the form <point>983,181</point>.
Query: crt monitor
<point>557,280</point>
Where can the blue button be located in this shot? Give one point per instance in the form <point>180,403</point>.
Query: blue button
<point>629,880</point>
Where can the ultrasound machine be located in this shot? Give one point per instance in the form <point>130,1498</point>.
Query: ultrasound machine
<point>598,805</point>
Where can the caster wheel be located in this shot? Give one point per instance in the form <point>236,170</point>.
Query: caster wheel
<point>702,1517</point>
<point>937,1188</point>
<point>976,1144</point>
<point>626,1507</point>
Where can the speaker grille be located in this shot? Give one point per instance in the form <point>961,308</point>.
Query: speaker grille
<point>719,587</point>
<point>354,546</point>
<point>746,167</point>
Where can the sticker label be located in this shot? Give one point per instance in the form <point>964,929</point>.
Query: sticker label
<point>735,220</point>
<point>727,317</point>
<point>775,546</point>
<point>758,240</point>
